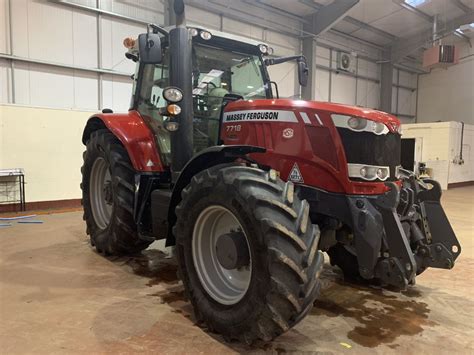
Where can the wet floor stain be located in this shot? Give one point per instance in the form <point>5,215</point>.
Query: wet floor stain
<point>412,292</point>
<point>176,298</point>
<point>170,296</point>
<point>383,315</point>
<point>180,311</point>
<point>155,265</point>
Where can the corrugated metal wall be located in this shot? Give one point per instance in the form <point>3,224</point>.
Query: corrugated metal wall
<point>46,31</point>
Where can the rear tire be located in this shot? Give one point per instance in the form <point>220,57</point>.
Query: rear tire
<point>283,246</point>
<point>111,226</point>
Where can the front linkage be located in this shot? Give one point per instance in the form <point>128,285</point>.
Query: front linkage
<point>416,233</point>
<point>391,237</point>
<point>433,240</point>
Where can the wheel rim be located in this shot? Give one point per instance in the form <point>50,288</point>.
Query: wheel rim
<point>101,193</point>
<point>223,285</point>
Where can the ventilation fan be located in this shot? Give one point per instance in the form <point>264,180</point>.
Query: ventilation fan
<point>345,62</point>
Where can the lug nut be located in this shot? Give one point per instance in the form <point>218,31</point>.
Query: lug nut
<point>360,204</point>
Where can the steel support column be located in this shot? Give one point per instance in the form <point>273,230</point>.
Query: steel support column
<point>10,47</point>
<point>309,51</point>
<point>386,83</point>
<point>100,83</point>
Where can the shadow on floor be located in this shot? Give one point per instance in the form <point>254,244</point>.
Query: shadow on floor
<point>381,315</point>
<point>155,265</point>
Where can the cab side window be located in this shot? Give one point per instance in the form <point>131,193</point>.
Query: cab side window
<point>155,80</point>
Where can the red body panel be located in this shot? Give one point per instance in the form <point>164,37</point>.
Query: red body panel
<point>136,137</point>
<point>314,144</point>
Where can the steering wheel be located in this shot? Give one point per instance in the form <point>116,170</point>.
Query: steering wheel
<point>211,83</point>
<point>162,82</point>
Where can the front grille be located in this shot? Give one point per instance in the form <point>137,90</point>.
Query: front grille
<point>371,149</point>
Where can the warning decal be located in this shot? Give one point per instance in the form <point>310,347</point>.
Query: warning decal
<point>295,174</point>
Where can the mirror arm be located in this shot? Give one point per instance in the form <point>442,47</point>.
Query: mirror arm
<point>157,29</point>
<point>273,61</point>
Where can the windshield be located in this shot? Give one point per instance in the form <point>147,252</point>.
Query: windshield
<point>216,73</point>
<point>231,72</point>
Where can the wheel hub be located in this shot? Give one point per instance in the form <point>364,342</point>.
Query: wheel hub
<point>221,255</point>
<point>232,250</point>
<point>108,192</point>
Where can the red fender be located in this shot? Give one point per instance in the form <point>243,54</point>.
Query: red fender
<point>135,135</point>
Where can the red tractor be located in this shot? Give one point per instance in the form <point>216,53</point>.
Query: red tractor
<point>250,188</point>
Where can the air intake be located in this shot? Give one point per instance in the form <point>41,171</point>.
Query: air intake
<point>440,56</point>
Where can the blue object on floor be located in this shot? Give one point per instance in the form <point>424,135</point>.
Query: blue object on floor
<point>16,218</point>
<point>5,225</point>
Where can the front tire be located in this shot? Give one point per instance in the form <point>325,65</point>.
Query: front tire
<point>108,193</point>
<point>284,263</point>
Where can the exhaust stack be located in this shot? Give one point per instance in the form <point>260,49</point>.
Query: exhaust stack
<point>181,77</point>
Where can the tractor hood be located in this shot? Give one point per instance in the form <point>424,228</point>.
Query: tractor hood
<point>272,109</point>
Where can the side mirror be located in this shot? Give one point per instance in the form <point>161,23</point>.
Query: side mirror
<point>303,73</point>
<point>149,48</point>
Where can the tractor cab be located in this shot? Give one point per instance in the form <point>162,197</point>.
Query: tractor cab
<point>222,65</point>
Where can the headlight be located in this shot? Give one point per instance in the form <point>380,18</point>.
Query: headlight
<point>172,94</point>
<point>356,123</point>
<point>205,35</point>
<point>194,32</point>
<point>263,48</point>
<point>382,173</point>
<point>368,172</point>
<point>378,127</point>
<point>359,124</point>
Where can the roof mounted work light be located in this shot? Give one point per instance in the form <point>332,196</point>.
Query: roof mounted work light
<point>205,35</point>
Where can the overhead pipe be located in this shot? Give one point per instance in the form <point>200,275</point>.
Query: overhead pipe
<point>435,30</point>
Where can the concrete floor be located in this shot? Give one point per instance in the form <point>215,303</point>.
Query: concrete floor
<point>58,296</point>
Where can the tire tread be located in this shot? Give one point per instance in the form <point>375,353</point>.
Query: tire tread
<point>294,261</point>
<point>121,236</point>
